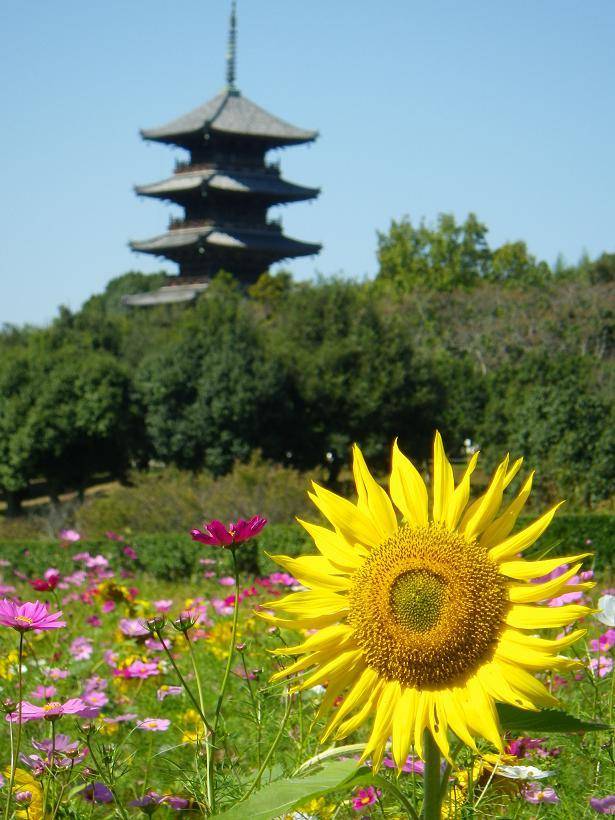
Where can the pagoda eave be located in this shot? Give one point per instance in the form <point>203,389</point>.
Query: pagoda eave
<point>182,239</point>
<point>267,186</point>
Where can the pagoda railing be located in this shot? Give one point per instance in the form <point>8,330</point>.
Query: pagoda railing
<point>185,166</point>
<point>272,225</point>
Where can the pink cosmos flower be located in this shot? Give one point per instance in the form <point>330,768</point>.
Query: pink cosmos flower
<point>95,698</point>
<point>6,589</point>
<point>129,552</point>
<point>69,535</point>
<point>601,666</point>
<point>133,628</point>
<point>120,718</point>
<point>604,642</point>
<point>163,605</point>
<point>217,535</point>
<point>57,674</point>
<point>108,606</point>
<point>24,617</point>
<point>603,805</point>
<point>93,620</point>
<point>52,710</point>
<point>165,691</point>
<point>364,798</point>
<point>154,724</point>
<point>411,766</point>
<point>138,669</point>
<point>81,649</point>
<point>535,793</point>
<point>43,692</point>
<point>226,581</point>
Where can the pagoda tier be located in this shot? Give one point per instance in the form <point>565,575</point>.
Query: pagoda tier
<point>226,187</point>
<point>203,250</point>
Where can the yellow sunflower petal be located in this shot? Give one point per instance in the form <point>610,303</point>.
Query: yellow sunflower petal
<point>311,603</point>
<point>336,634</point>
<point>526,684</point>
<point>421,721</point>
<point>381,729</point>
<point>298,666</point>
<point>403,726</point>
<point>456,718</point>
<point>524,539</point>
<point>309,622</point>
<point>313,571</point>
<point>438,725</point>
<point>335,686</point>
<point>547,644</point>
<point>495,684</point>
<point>357,696</point>
<point>348,659</point>
<point>544,617</point>
<point>499,529</point>
<point>443,480</point>
<point>353,723</point>
<point>512,472</point>
<point>529,570</point>
<point>351,521</point>
<point>373,498</point>
<point>476,520</point>
<point>460,496</point>
<point>333,546</point>
<point>481,712</point>
<point>408,489</point>
<point>532,659</point>
<point>533,593</point>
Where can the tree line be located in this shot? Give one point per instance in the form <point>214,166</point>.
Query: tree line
<point>487,344</point>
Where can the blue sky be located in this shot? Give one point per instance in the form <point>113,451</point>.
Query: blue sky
<point>504,109</point>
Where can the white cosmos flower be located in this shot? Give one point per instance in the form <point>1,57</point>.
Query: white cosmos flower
<point>523,772</point>
<point>606,605</point>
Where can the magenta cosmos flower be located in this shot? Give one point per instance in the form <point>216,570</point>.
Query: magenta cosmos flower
<point>603,805</point>
<point>217,535</point>
<point>52,711</point>
<point>364,798</point>
<point>24,617</point>
<point>154,724</point>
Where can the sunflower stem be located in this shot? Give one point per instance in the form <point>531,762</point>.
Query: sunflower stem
<point>432,800</point>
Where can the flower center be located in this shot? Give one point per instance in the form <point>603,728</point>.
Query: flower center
<point>417,598</point>
<point>52,706</point>
<point>23,619</point>
<point>427,607</point>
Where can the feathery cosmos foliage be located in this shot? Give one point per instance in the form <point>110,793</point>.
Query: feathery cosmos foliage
<point>426,622</point>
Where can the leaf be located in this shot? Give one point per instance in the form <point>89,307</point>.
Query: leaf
<point>283,796</point>
<point>547,720</point>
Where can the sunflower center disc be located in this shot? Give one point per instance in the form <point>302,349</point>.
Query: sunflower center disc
<point>428,607</point>
<point>417,598</point>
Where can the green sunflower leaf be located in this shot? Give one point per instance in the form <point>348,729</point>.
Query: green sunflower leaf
<point>513,719</point>
<point>282,796</point>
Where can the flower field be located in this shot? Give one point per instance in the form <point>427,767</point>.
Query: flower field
<point>126,695</point>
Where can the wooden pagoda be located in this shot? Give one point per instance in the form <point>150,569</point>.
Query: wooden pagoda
<point>226,187</point>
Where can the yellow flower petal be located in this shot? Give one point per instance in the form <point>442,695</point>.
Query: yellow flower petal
<point>408,489</point>
<point>311,603</point>
<point>499,529</point>
<point>381,729</point>
<point>372,498</point>
<point>461,495</point>
<point>438,726</point>
<point>529,570</point>
<point>532,659</point>
<point>533,593</point>
<point>334,547</point>
<point>497,686</point>
<point>455,716</point>
<point>524,539</point>
<point>403,726</point>
<point>353,723</point>
<point>476,520</point>
<point>544,617</point>
<point>347,659</point>
<point>526,684</point>
<point>357,695</point>
<point>313,571</point>
<point>334,635</point>
<point>512,472</point>
<point>351,521</point>
<point>443,481</point>
<point>546,644</point>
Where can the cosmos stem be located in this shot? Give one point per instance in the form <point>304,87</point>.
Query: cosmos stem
<point>432,800</point>
<point>15,755</point>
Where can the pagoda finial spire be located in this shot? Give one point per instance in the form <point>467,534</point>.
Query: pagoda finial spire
<point>231,54</point>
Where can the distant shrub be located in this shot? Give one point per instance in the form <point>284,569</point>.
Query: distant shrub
<point>175,555</point>
<point>172,500</point>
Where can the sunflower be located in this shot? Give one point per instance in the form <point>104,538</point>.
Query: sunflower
<point>426,622</point>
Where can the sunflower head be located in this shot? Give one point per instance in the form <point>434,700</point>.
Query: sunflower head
<point>422,607</point>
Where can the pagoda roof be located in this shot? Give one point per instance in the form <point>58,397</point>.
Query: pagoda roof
<point>231,181</point>
<point>223,237</point>
<point>230,113</point>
